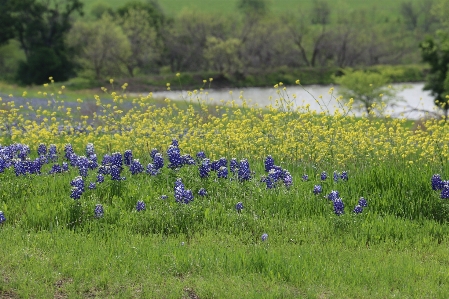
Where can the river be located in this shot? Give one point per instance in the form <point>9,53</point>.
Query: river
<point>411,100</point>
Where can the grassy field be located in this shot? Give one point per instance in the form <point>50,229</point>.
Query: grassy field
<point>173,7</point>
<point>288,241</point>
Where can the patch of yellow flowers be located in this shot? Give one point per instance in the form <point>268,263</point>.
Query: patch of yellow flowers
<point>286,133</point>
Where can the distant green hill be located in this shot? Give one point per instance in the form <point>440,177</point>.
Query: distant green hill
<point>381,8</point>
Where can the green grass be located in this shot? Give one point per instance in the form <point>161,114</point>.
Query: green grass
<point>173,7</point>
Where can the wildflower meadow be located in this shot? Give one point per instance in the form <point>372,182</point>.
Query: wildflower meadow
<point>122,196</point>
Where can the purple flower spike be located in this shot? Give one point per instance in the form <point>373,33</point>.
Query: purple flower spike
<point>264,237</point>
<point>2,217</point>
<point>239,206</point>
<point>99,211</point>
<point>358,209</point>
<point>140,206</point>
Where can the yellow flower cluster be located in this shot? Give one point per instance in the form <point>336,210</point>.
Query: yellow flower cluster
<point>227,130</point>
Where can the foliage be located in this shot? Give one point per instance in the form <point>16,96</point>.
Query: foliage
<point>368,89</point>
<point>436,53</point>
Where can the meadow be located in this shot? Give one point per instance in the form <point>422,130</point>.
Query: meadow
<point>136,197</point>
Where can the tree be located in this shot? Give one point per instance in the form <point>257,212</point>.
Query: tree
<point>366,89</point>
<point>100,47</point>
<point>253,8</point>
<point>222,55</point>
<point>435,51</point>
<point>41,28</point>
<point>410,15</point>
<point>321,12</point>
<point>6,21</point>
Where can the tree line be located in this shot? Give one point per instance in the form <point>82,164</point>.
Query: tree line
<point>58,38</point>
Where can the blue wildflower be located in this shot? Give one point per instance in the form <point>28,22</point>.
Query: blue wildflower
<point>42,150</point>
<point>333,195</point>
<point>99,211</point>
<point>202,192</point>
<point>317,189</point>
<point>175,143</point>
<point>222,172</point>
<point>56,168</point>
<point>136,167</point>
<point>269,163</point>
<point>264,237</point>
<point>52,153</point>
<point>339,207</point>
<point>2,217</point>
<point>305,177</point>
<point>233,165</point>
<point>107,159</point>
<point>269,182</point>
<point>90,149</point>
<point>344,175</point>
<point>174,157</point>
<point>201,155</point>
<point>187,160</point>
<point>158,161</point>
<point>323,176</point>
<point>204,168</point>
<point>78,182</point>
<point>128,156</point>
<point>68,150</point>
<point>336,176</point>
<point>358,209</point>
<point>65,166</point>
<point>179,190</point>
<point>164,197</point>
<point>362,202</point>
<point>76,193</point>
<point>151,170</point>
<point>239,206</point>
<point>437,182</point>
<point>445,192</point>
<point>115,173</point>
<point>244,172</point>
<point>117,160</point>
<point>100,178</point>
<point>104,169</point>
<point>140,206</point>
<point>288,179</point>
<point>187,196</point>
<point>153,152</point>
<point>83,165</point>
<point>92,186</point>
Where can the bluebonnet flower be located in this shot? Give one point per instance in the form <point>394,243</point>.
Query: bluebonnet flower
<point>68,151</point>
<point>288,179</point>
<point>174,157</point>
<point>76,193</point>
<point>151,170</point>
<point>344,175</point>
<point>52,152</point>
<point>92,186</point>
<point>339,207</point>
<point>204,168</point>
<point>3,164</point>
<point>437,182</point>
<point>333,195</point>
<point>179,190</point>
<point>175,143</point>
<point>358,209</point>
<point>78,182</point>
<point>83,165</point>
<point>239,206</point>
<point>202,192</point>
<point>115,173</point>
<point>362,202</point>
<point>201,155</point>
<point>336,176</point>
<point>269,182</point>
<point>136,167</point>
<point>164,197</point>
<point>187,160</point>
<point>222,172</point>
<point>73,159</point>
<point>317,189</point>
<point>92,164</point>
<point>215,165</point>
<point>117,160</point>
<point>140,206</point>
<point>269,163</point>
<point>23,151</point>
<point>323,176</point>
<point>2,217</point>
<point>56,168</point>
<point>20,168</point>
<point>104,169</point>
<point>100,178</point>
<point>107,159</point>
<point>128,156</point>
<point>158,161</point>
<point>445,192</point>
<point>233,165</point>
<point>99,211</point>
<point>153,153</point>
<point>244,172</point>
<point>188,196</point>
<point>90,150</point>
<point>65,166</point>
<point>42,150</point>
<point>264,237</point>
<point>305,177</point>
